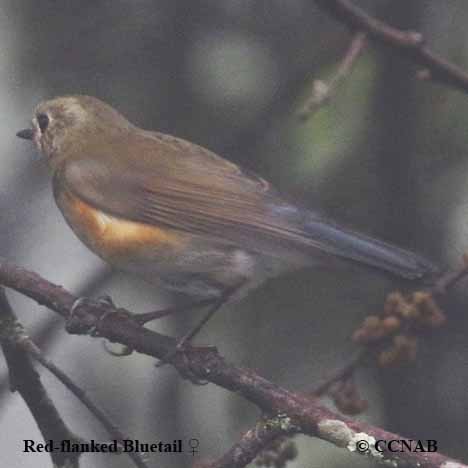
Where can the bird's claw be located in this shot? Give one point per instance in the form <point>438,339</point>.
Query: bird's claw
<point>180,348</point>
<point>125,351</point>
<point>73,324</point>
<point>104,300</point>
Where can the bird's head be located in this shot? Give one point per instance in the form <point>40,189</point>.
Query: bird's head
<point>68,125</point>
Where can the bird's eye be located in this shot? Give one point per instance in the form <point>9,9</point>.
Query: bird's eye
<point>42,121</point>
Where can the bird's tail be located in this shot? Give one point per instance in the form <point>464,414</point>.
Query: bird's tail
<point>352,245</point>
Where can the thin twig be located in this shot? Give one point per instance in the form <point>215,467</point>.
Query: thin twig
<point>407,43</point>
<point>451,278</point>
<point>15,337</point>
<point>322,91</point>
<point>29,346</point>
<point>48,330</point>
<point>26,381</point>
<point>340,374</point>
<point>447,281</point>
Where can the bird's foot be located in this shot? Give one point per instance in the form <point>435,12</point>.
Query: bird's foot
<point>183,343</point>
<point>182,348</point>
<point>93,330</point>
<point>104,300</point>
<point>179,348</point>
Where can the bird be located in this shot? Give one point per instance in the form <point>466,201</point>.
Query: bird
<point>182,217</point>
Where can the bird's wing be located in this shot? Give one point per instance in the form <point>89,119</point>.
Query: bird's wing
<point>173,183</point>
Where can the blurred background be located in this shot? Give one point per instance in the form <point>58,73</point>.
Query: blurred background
<point>387,155</point>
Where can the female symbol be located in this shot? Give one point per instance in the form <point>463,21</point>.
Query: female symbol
<point>194,443</point>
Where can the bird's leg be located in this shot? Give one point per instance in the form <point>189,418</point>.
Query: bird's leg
<point>197,328</point>
<point>142,319</point>
<point>187,338</point>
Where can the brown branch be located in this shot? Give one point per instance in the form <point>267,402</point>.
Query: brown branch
<point>47,331</point>
<point>28,345</point>
<point>253,442</point>
<point>322,91</point>
<point>265,433</point>
<point>26,381</point>
<point>408,43</point>
<point>14,336</point>
<point>298,412</point>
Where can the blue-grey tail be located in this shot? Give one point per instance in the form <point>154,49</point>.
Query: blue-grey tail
<point>352,245</point>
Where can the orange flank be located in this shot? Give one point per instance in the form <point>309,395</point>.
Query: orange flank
<point>115,239</point>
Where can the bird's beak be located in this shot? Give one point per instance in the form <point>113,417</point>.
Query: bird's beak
<point>26,134</point>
